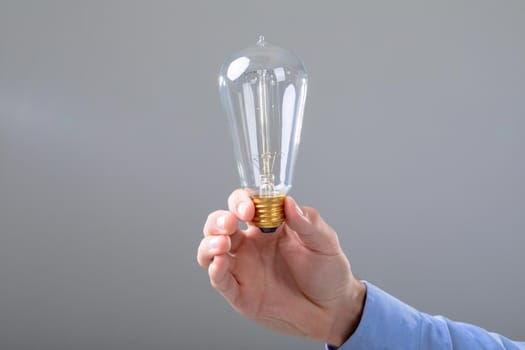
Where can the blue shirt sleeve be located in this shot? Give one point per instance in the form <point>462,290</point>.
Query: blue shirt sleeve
<point>388,323</point>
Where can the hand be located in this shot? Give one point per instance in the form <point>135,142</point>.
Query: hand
<point>295,281</point>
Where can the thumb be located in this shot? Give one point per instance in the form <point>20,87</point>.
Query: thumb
<point>310,227</point>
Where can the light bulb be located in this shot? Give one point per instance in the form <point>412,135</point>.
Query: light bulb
<point>263,91</point>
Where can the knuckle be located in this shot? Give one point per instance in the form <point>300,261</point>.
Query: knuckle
<point>213,281</point>
<point>200,256</point>
<point>313,214</point>
<point>211,216</point>
<point>207,223</point>
<point>199,260</point>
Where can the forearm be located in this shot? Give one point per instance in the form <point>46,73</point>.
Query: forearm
<point>389,323</point>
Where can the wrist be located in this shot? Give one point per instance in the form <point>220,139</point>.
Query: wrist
<point>348,314</point>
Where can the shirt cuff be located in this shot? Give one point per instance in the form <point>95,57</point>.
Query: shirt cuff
<point>385,320</point>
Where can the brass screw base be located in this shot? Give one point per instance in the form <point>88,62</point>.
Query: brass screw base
<point>269,212</point>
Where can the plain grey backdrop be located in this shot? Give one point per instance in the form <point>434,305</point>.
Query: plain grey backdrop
<point>114,148</point>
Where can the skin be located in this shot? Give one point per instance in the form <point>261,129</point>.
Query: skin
<point>295,281</point>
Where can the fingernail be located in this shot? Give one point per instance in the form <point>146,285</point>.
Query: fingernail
<point>213,243</point>
<point>220,222</point>
<point>242,208</point>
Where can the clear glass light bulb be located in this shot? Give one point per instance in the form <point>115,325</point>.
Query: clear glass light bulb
<point>263,91</point>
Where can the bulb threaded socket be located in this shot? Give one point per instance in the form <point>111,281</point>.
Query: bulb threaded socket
<point>269,212</point>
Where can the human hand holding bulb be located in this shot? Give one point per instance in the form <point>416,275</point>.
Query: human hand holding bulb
<point>297,281</point>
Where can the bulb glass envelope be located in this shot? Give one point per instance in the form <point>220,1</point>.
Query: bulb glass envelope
<point>263,91</point>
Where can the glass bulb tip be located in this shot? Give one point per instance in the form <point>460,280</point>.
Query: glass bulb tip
<point>261,41</point>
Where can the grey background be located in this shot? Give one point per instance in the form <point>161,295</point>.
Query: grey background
<point>114,148</point>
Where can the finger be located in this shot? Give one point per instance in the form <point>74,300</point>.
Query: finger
<point>210,247</point>
<point>222,278</point>
<point>310,227</point>
<point>220,222</point>
<point>240,203</point>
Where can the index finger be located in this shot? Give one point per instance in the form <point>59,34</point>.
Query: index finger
<point>220,222</point>
<point>240,203</point>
